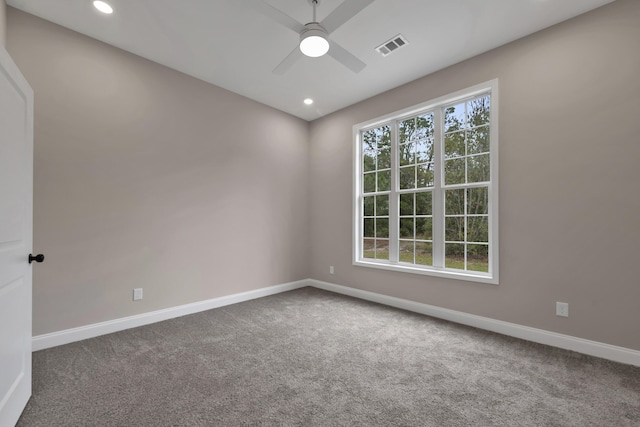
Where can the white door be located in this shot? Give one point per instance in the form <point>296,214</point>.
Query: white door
<point>16,220</point>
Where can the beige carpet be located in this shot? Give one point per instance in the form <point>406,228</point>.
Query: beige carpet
<point>314,358</point>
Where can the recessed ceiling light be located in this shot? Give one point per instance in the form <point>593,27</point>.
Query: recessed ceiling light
<point>103,7</point>
<point>308,101</point>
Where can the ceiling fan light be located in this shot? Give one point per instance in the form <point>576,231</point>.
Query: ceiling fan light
<point>103,7</point>
<point>313,41</point>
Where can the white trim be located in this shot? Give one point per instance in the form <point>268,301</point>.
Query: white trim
<point>494,206</point>
<point>447,274</point>
<point>394,202</point>
<point>451,98</point>
<point>567,342</point>
<point>53,339</point>
<point>356,207</point>
<point>438,269</point>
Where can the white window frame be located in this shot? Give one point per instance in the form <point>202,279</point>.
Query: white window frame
<point>392,264</point>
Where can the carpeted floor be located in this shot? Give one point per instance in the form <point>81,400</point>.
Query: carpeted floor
<point>314,358</point>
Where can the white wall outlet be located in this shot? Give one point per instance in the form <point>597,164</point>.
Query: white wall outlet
<point>562,309</point>
<point>331,269</point>
<point>137,294</point>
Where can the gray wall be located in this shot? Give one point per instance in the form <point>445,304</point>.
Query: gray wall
<point>569,174</point>
<point>3,23</point>
<point>145,177</point>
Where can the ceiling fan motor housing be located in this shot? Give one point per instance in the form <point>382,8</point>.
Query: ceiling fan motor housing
<point>314,40</point>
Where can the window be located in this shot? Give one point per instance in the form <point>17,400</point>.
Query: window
<point>426,186</point>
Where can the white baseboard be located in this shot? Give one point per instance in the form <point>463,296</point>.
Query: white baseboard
<point>53,339</point>
<point>592,348</point>
<point>580,345</point>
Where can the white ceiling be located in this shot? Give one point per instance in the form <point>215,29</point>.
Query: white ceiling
<point>232,45</point>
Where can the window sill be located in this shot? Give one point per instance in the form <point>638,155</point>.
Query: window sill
<point>432,271</point>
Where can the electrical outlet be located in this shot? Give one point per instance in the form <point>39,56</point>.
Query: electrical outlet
<point>562,309</point>
<point>331,269</point>
<point>137,294</point>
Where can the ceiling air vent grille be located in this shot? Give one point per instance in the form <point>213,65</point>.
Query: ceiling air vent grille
<point>391,45</point>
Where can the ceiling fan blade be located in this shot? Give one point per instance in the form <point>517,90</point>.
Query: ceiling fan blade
<point>347,10</point>
<point>344,57</point>
<point>276,15</point>
<point>287,62</point>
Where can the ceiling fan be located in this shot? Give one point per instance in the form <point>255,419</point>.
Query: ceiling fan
<point>316,34</point>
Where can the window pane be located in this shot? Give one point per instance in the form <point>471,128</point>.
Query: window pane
<point>478,140</point>
<point>424,150</point>
<point>454,145</point>
<point>384,157</point>
<point>406,130</point>
<point>382,249</point>
<point>479,168</point>
<point>478,110</point>
<point>454,118</point>
<point>382,227</point>
<point>368,248</point>
<point>454,229</point>
<point>424,253</point>
<point>369,206</point>
<point>424,175</point>
<point>384,181</point>
<point>454,171</point>
<point>376,149</point>
<point>407,153</point>
<point>369,163</point>
<point>406,228</point>
<point>478,229</point>
<point>406,204</point>
<point>454,255</point>
<point>384,135</point>
<point>408,177</point>
<point>369,227</point>
<point>424,125</point>
<point>370,182</point>
<point>478,201</point>
<point>382,205</point>
<point>478,258</point>
<point>406,251</point>
<point>424,229</point>
<point>423,203</point>
<point>368,152</point>
<point>369,138</point>
<point>454,202</point>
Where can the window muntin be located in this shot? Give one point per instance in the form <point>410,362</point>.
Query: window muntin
<point>426,197</point>
<point>416,228</point>
<point>416,174</point>
<point>415,152</point>
<point>467,163</point>
<point>467,141</point>
<point>376,184</point>
<point>467,229</point>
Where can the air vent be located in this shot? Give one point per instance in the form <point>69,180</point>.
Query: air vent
<point>391,45</point>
